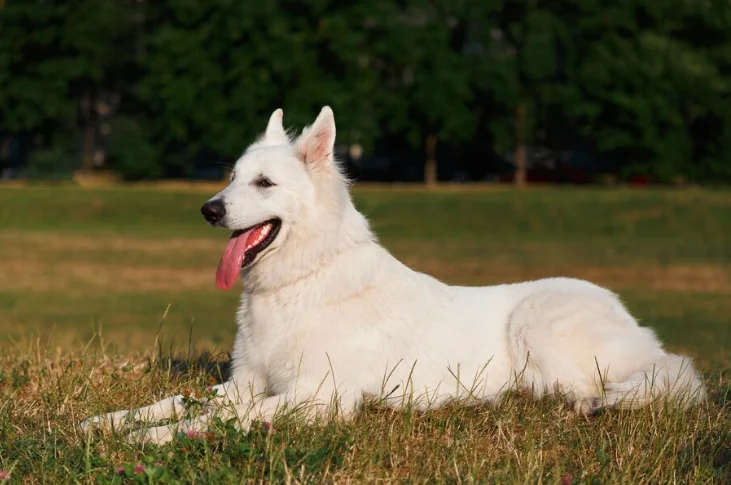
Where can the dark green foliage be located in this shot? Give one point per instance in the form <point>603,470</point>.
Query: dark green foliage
<point>54,163</point>
<point>56,59</point>
<point>131,153</point>
<point>641,86</point>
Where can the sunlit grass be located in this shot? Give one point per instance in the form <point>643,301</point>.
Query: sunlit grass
<point>517,441</point>
<point>87,275</point>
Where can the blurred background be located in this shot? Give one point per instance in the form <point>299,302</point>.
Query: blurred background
<point>119,118</point>
<point>563,91</point>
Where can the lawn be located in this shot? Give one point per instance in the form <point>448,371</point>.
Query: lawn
<point>108,300</point>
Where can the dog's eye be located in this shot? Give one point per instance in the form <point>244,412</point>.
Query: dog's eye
<point>264,183</point>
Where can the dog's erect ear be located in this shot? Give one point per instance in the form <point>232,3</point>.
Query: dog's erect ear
<point>275,133</point>
<point>315,145</point>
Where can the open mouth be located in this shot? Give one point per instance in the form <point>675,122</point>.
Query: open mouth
<point>242,249</point>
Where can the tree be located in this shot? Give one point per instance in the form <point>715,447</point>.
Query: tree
<point>213,73</point>
<point>417,50</point>
<point>643,86</point>
<point>55,61</point>
<point>522,74</point>
<point>646,75</point>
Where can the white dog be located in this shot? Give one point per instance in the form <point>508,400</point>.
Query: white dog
<point>328,316</point>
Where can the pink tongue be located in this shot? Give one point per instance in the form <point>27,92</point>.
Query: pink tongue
<point>233,257</point>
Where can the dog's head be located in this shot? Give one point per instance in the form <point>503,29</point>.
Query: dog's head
<point>280,186</point>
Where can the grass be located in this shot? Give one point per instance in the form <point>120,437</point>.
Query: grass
<point>87,276</point>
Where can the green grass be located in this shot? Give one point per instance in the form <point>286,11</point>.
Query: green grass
<point>87,275</point>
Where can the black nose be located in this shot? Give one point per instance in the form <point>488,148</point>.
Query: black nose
<point>213,211</point>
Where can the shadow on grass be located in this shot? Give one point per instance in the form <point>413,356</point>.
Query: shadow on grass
<point>217,366</point>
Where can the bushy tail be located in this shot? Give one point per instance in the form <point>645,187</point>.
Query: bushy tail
<point>672,377</point>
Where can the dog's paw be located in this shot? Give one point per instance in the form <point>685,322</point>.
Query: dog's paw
<point>95,423</point>
<point>86,426</point>
<point>138,437</point>
<point>588,406</point>
<point>157,436</point>
<point>107,422</point>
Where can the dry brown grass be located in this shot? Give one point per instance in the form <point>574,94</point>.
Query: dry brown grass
<point>45,396</point>
<point>81,261</point>
<point>41,243</point>
<point>45,262</point>
<point>75,263</point>
<point>80,276</point>
<point>699,277</point>
<point>77,277</point>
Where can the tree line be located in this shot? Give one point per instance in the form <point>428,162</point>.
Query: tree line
<point>176,88</point>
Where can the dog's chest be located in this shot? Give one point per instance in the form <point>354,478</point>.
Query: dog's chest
<point>271,340</point>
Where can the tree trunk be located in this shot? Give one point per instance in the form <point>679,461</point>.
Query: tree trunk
<point>4,155</point>
<point>87,155</point>
<point>5,148</point>
<point>430,167</point>
<point>520,155</point>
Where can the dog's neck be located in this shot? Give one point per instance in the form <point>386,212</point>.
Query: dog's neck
<point>311,246</point>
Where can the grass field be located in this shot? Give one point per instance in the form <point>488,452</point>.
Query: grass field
<point>89,277</point>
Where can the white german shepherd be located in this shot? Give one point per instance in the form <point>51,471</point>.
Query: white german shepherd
<point>328,316</point>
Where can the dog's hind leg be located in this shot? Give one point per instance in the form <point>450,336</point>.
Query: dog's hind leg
<point>672,376</point>
<point>552,345</point>
<point>588,347</point>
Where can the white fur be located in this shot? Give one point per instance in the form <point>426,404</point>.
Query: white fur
<point>328,312</point>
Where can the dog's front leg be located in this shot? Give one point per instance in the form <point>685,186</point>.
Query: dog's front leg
<point>163,409</point>
<point>163,434</point>
<point>167,408</point>
<point>263,409</point>
<point>243,415</point>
